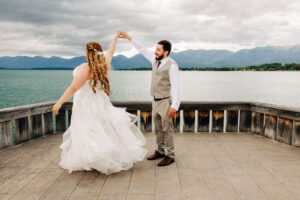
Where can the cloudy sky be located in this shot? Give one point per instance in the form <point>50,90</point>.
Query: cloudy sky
<point>61,28</point>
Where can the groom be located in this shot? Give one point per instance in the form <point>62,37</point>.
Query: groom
<point>164,85</point>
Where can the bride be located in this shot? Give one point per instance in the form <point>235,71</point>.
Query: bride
<point>100,136</point>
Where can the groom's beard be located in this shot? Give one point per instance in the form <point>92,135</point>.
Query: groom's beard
<point>159,57</point>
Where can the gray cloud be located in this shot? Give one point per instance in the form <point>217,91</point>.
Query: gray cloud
<point>61,28</point>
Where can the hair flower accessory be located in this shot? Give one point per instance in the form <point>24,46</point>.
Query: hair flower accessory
<point>98,52</point>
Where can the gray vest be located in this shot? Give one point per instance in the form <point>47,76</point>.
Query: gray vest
<point>160,83</point>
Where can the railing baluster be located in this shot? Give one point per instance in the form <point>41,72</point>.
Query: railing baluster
<point>196,121</point>
<point>239,121</point>
<point>225,121</point>
<point>210,121</point>
<point>6,139</point>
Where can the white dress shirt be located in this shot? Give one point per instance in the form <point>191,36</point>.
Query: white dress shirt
<point>173,72</point>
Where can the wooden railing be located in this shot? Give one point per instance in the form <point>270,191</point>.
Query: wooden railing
<point>24,123</point>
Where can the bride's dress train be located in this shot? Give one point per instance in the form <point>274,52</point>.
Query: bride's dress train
<point>101,136</point>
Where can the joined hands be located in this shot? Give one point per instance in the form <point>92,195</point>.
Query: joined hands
<point>124,35</point>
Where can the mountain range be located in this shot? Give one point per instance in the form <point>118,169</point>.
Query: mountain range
<point>186,59</point>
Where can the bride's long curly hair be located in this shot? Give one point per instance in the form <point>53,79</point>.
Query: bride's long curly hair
<point>98,67</point>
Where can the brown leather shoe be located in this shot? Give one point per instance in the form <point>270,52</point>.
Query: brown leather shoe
<point>166,161</point>
<point>155,156</point>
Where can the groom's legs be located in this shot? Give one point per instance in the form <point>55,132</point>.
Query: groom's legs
<point>164,128</point>
<point>160,136</point>
<point>169,139</point>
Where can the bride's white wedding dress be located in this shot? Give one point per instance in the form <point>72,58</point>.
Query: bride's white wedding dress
<point>100,136</point>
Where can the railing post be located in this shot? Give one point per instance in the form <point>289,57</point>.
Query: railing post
<point>29,126</point>
<point>210,121</point>
<point>293,132</point>
<point>67,119</point>
<point>225,121</point>
<point>181,121</point>
<point>43,124</point>
<point>196,121</point>
<point>239,121</point>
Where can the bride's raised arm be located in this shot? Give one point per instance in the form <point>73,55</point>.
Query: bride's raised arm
<point>111,50</point>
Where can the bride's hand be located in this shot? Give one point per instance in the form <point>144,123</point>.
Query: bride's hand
<point>55,108</point>
<point>118,33</point>
<point>125,35</point>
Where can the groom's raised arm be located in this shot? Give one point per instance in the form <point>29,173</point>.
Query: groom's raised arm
<point>148,54</point>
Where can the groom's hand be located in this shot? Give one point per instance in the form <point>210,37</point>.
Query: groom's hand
<point>171,112</point>
<point>125,35</point>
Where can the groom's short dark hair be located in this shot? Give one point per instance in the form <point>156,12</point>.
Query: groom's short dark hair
<point>167,46</point>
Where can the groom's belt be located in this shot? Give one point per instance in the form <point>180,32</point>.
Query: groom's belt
<point>155,99</point>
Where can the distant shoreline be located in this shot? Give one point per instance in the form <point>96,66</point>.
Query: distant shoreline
<point>264,67</point>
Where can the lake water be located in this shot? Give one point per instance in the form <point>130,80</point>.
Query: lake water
<point>20,87</point>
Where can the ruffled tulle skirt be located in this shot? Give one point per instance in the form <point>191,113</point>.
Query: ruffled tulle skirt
<point>100,136</point>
